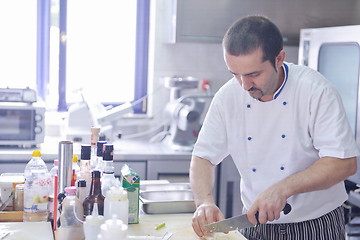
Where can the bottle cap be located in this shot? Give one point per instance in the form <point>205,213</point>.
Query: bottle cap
<point>56,162</point>
<point>108,154</point>
<point>70,191</point>
<point>85,152</point>
<point>36,153</point>
<point>81,183</point>
<point>95,218</point>
<point>75,159</point>
<point>99,148</point>
<point>96,174</point>
<point>114,229</point>
<point>116,194</point>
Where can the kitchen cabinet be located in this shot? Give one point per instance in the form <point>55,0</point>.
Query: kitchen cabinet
<point>229,188</point>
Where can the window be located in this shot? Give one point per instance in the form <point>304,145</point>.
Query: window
<point>58,47</point>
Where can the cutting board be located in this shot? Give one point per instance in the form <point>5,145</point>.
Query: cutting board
<point>28,230</point>
<point>178,224</point>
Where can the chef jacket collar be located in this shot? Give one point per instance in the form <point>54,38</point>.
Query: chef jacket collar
<point>286,71</point>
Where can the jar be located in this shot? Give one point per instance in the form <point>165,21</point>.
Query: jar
<point>19,198</point>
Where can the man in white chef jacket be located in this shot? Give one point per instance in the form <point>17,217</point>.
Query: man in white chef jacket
<point>285,128</point>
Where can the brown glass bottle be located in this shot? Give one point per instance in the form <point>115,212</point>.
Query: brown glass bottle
<point>95,195</point>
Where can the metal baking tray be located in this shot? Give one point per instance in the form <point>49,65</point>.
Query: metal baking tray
<point>167,201</point>
<point>165,186</point>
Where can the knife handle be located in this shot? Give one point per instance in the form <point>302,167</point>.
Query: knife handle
<point>286,210</point>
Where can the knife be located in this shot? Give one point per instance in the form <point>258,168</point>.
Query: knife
<point>237,222</point>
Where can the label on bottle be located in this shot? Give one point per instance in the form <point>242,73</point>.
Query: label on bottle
<point>36,194</point>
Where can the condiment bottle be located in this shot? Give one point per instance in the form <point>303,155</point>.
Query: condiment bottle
<point>92,224</point>
<point>36,190</point>
<point>108,179</point>
<point>95,195</point>
<point>72,211</point>
<point>75,170</point>
<point>117,203</point>
<point>81,190</point>
<point>99,154</point>
<point>85,167</point>
<point>94,138</point>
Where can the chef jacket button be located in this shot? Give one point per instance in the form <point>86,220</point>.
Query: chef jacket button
<point>282,168</point>
<point>254,169</point>
<point>249,138</point>
<point>283,136</point>
<point>284,103</point>
<point>248,106</point>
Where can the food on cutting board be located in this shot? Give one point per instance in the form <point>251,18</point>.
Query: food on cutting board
<point>233,235</point>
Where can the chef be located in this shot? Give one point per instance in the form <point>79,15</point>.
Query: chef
<point>285,128</point>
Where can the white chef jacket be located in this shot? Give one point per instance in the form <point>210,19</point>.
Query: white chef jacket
<point>272,140</point>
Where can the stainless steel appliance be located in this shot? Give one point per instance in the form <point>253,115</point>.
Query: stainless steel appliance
<point>21,118</point>
<point>335,52</point>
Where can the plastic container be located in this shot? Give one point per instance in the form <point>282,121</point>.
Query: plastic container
<point>72,211</point>
<point>108,179</point>
<point>116,203</point>
<point>75,170</point>
<point>92,224</point>
<point>81,190</point>
<point>38,185</point>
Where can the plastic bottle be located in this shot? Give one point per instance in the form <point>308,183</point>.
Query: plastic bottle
<point>92,224</point>
<point>108,179</point>
<point>54,172</point>
<point>85,167</point>
<point>81,190</point>
<point>72,211</point>
<point>36,190</point>
<point>95,195</point>
<point>99,154</point>
<point>75,170</point>
<point>94,138</point>
<point>113,229</point>
<point>116,203</point>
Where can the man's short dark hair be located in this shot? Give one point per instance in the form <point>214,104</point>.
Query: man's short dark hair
<point>249,33</point>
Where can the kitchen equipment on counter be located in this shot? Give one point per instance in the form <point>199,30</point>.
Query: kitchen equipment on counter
<point>237,222</point>
<point>164,198</point>
<point>22,122</point>
<point>184,112</point>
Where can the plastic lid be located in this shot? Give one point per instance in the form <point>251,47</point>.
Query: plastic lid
<point>95,218</point>
<point>108,154</point>
<point>85,151</point>
<point>56,162</point>
<point>75,158</point>
<point>99,148</point>
<point>96,174</point>
<point>36,153</point>
<point>81,183</point>
<point>70,191</point>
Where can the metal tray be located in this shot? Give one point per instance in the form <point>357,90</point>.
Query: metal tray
<point>171,201</point>
<point>165,186</point>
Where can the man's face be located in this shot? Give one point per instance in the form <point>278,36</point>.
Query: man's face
<point>257,77</point>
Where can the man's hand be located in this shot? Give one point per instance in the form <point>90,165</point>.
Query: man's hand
<point>205,214</point>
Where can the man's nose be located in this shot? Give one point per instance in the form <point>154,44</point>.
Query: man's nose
<point>246,83</point>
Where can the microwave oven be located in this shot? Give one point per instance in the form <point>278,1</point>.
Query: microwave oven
<point>21,125</point>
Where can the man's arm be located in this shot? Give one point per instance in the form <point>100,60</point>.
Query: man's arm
<point>324,173</point>
<point>202,174</point>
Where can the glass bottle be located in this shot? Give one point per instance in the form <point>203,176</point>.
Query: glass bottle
<point>108,179</point>
<point>36,189</point>
<point>99,154</point>
<point>85,167</point>
<point>94,138</point>
<point>95,195</point>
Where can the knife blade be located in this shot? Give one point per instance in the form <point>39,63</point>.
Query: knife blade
<point>237,222</point>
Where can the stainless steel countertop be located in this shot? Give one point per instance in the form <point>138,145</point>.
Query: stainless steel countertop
<point>123,150</point>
